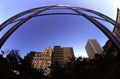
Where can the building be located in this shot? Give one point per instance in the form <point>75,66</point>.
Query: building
<point>109,48</point>
<point>92,47</point>
<point>62,55</point>
<point>58,55</point>
<point>40,60</point>
<point>116,30</point>
<point>68,54</point>
<point>43,60</point>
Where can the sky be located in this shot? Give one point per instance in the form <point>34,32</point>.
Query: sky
<point>66,30</point>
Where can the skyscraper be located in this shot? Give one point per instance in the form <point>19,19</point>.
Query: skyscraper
<point>92,47</point>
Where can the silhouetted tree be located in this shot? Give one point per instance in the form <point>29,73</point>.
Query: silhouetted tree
<point>14,67</point>
<point>27,72</point>
<point>14,60</point>
<point>5,71</point>
<point>100,67</point>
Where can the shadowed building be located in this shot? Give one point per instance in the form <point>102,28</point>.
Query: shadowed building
<point>109,48</point>
<point>62,55</point>
<point>92,47</point>
<point>116,30</point>
<point>68,54</point>
<point>58,55</point>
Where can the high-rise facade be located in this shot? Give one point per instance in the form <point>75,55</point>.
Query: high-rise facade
<point>62,55</point>
<point>93,47</point>
<point>58,55</point>
<point>68,54</point>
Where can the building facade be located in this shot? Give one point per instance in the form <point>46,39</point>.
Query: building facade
<point>62,55</point>
<point>43,60</point>
<point>116,30</point>
<point>68,54</point>
<point>93,47</point>
<point>40,60</point>
<point>109,47</point>
<point>58,55</point>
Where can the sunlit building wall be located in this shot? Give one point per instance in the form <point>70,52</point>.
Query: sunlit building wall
<point>40,60</point>
<point>43,60</point>
<point>92,47</point>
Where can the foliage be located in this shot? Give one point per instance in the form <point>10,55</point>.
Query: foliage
<point>14,67</point>
<point>100,67</point>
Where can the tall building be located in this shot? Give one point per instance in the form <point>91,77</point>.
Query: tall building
<point>58,55</point>
<point>40,60</point>
<point>116,30</point>
<point>68,54</point>
<point>43,60</point>
<point>62,55</point>
<point>109,48</point>
<point>92,47</point>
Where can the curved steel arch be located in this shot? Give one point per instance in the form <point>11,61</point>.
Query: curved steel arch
<point>75,9</point>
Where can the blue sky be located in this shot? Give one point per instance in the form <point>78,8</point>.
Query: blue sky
<point>67,31</point>
<point>9,8</point>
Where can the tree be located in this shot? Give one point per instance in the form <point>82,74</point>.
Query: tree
<point>5,71</point>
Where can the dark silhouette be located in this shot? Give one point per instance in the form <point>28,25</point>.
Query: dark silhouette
<point>14,67</point>
<point>100,67</point>
<point>5,69</point>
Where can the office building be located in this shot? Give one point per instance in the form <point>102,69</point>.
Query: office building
<point>92,47</point>
<point>68,54</point>
<point>58,55</point>
<point>62,55</point>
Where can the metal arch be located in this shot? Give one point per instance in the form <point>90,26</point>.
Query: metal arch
<point>109,34</point>
<point>10,20</point>
<point>56,14</point>
<point>16,26</point>
<point>103,16</point>
<point>3,25</point>
<point>32,10</point>
<point>98,24</point>
<point>108,19</point>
